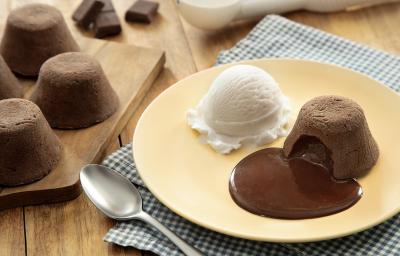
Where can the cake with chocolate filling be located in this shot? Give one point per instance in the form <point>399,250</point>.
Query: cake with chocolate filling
<point>9,85</point>
<point>33,34</point>
<point>29,148</point>
<point>73,91</point>
<point>333,131</point>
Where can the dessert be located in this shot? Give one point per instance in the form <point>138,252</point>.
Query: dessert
<point>73,91</point>
<point>244,105</point>
<point>332,130</point>
<point>30,149</point>
<point>142,11</point>
<point>9,85</point>
<point>329,141</point>
<point>87,12</point>
<point>33,34</point>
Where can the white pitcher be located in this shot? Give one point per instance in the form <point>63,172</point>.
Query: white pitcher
<point>215,14</point>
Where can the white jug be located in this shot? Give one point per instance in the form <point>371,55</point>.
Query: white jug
<point>215,14</point>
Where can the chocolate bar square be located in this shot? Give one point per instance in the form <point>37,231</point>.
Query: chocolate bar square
<point>87,12</point>
<point>142,11</point>
<point>108,6</point>
<point>106,24</point>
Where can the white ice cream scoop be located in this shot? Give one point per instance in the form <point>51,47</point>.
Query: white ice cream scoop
<point>215,14</point>
<point>244,105</point>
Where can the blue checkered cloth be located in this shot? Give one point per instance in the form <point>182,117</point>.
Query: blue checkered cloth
<point>273,37</point>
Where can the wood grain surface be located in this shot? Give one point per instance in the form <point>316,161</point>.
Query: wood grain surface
<point>76,228</point>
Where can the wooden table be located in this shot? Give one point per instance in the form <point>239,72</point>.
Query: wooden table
<point>76,227</point>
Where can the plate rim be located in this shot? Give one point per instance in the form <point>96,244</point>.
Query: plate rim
<point>249,236</point>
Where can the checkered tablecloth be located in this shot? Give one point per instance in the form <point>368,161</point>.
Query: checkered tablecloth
<point>275,37</point>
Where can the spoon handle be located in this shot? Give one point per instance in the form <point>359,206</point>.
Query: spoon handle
<point>182,245</point>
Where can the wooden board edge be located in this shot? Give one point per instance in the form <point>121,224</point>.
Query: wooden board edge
<point>27,198</point>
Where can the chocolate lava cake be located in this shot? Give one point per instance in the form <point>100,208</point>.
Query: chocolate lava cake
<point>29,148</point>
<point>73,91</point>
<point>9,85</point>
<point>333,131</point>
<point>33,34</point>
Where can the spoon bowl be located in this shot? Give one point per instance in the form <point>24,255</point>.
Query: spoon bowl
<point>111,192</point>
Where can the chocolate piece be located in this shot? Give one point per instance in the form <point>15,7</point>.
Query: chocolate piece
<point>268,184</point>
<point>9,85</point>
<point>107,24</point>
<point>87,12</point>
<point>73,91</point>
<point>108,6</point>
<point>339,125</point>
<point>33,34</point>
<point>142,11</point>
<point>29,148</point>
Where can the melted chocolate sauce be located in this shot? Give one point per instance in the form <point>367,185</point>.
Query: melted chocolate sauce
<point>269,184</point>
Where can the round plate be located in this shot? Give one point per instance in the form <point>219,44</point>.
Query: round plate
<point>192,179</point>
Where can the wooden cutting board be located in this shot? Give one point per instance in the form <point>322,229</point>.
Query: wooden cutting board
<point>131,71</point>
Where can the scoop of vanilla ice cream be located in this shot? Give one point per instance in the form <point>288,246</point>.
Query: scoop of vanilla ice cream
<point>244,105</point>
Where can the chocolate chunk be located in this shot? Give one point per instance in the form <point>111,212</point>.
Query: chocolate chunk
<point>87,12</point>
<point>108,6</point>
<point>142,11</point>
<point>107,24</point>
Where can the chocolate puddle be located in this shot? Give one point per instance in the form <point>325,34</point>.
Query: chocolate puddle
<point>269,184</point>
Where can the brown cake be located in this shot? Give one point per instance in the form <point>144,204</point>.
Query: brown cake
<point>29,148</point>
<point>9,85</point>
<point>332,130</point>
<point>33,34</point>
<point>73,91</point>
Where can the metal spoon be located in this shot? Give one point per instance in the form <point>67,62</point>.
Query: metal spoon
<point>119,199</point>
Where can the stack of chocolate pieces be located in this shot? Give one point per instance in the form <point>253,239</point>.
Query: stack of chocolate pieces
<point>102,15</point>
<point>99,13</point>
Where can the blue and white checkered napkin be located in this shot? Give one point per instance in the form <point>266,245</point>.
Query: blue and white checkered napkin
<point>274,36</point>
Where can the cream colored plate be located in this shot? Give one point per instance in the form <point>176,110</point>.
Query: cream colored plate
<point>192,179</point>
